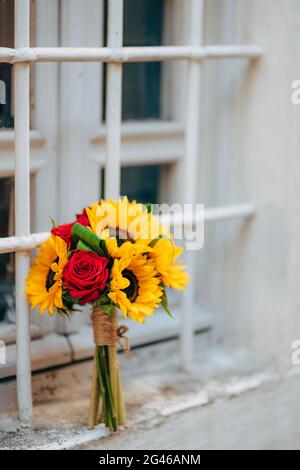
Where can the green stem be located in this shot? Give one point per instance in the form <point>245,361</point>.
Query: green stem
<point>101,381</point>
<point>106,408</point>
<point>95,395</point>
<point>104,376</point>
<point>109,389</point>
<point>113,411</point>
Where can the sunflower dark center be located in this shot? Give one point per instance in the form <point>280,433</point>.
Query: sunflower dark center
<point>121,235</point>
<point>50,277</point>
<point>132,290</point>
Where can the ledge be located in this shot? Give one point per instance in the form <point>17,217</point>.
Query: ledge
<point>55,349</point>
<point>157,395</point>
<point>8,332</point>
<point>7,161</point>
<point>48,351</point>
<point>144,143</point>
<point>142,129</point>
<point>7,139</point>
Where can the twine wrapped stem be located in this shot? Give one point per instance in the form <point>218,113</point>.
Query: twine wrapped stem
<point>106,386</point>
<point>105,328</point>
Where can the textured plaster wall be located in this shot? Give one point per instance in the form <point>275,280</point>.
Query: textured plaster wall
<point>249,274</point>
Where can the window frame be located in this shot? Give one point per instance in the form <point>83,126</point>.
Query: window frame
<point>143,142</point>
<point>24,240</point>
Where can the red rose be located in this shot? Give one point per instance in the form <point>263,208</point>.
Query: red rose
<point>65,231</point>
<point>85,275</point>
<point>83,218</point>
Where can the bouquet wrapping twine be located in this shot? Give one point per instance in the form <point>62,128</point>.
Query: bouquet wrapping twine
<point>106,402</point>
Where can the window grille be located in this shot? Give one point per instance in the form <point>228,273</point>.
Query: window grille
<point>21,57</point>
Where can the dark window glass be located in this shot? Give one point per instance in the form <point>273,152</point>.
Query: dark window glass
<point>6,260</point>
<point>141,81</point>
<point>139,182</point>
<point>6,40</point>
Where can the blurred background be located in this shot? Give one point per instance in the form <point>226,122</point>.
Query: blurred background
<point>247,274</point>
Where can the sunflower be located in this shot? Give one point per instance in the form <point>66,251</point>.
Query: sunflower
<point>44,281</point>
<point>135,287</point>
<point>125,249</point>
<point>122,221</point>
<point>164,254</point>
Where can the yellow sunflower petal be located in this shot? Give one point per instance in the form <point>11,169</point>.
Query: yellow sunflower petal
<point>51,258</point>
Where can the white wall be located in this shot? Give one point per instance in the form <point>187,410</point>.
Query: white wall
<point>249,275</point>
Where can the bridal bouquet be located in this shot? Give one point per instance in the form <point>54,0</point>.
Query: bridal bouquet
<point>116,257</point>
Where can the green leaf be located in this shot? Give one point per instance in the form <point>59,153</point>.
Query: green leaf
<point>148,206</point>
<point>164,304</point>
<point>64,312</point>
<point>53,222</point>
<point>107,305</point>
<point>152,243</point>
<point>69,302</point>
<point>109,309</point>
<point>90,239</point>
<point>103,247</point>
<point>82,246</point>
<point>104,300</point>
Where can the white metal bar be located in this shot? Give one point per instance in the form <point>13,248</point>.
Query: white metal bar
<point>22,209</point>
<point>142,129</point>
<point>23,243</point>
<point>192,129</point>
<point>235,211</point>
<point>114,103</point>
<point>118,54</point>
<point>212,214</point>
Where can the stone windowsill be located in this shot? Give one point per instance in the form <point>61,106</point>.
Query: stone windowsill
<point>156,391</point>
